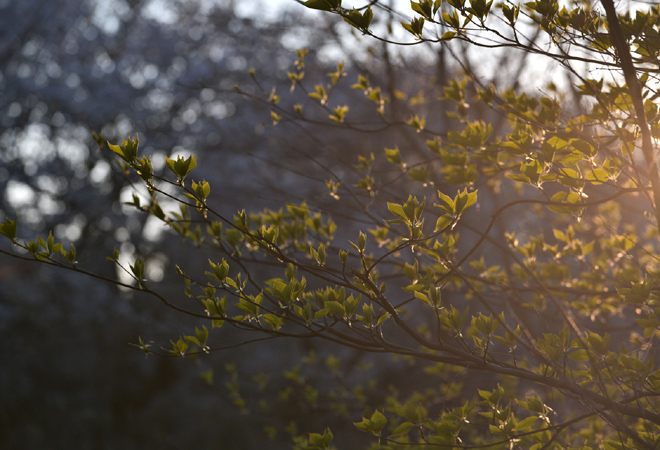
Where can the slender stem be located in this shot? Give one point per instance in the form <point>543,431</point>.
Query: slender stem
<point>630,74</point>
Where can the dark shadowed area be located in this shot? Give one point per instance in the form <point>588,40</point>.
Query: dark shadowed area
<point>165,71</point>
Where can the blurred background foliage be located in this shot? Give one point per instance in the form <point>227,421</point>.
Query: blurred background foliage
<point>202,77</point>
<point>168,71</point>
<point>165,70</point>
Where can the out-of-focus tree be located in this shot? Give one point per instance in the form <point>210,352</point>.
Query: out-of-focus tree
<point>536,265</point>
<point>68,70</point>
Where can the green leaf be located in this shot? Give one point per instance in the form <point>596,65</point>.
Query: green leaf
<point>583,147</point>
<point>402,429</point>
<point>220,270</point>
<point>320,441</point>
<point>374,425</point>
<point>393,155</point>
<point>597,176</point>
<point>335,307</point>
<point>202,335</point>
<point>525,423</point>
<point>397,210</point>
<point>472,199</point>
<point>138,269</point>
<point>343,256</point>
<point>447,204</point>
<point>193,340</point>
<point>443,222</point>
<point>70,255</point>
<point>638,293</point>
<point>423,297</point>
<point>448,36</point>
<point>382,319</point>
<point>362,241</point>
<point>181,167</point>
<point>117,149</point>
<point>339,114</point>
<point>378,420</point>
<point>571,200</point>
<point>361,21</point>
<point>579,355</point>
<point>463,200</point>
<point>8,229</point>
<point>323,5</point>
<point>415,27</point>
<point>50,242</point>
<point>273,321</point>
<point>519,177</point>
<point>202,189</point>
<point>127,151</point>
<point>321,255</point>
<point>571,159</point>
